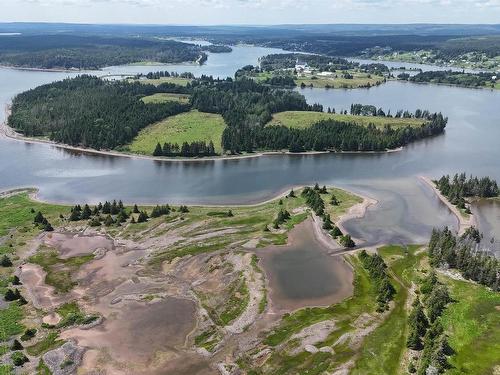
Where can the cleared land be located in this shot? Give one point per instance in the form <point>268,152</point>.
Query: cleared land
<point>302,120</point>
<point>165,97</point>
<point>176,80</point>
<point>473,325</point>
<point>337,80</point>
<point>185,127</point>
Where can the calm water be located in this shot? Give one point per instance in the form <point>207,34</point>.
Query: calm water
<point>407,210</point>
<point>303,274</point>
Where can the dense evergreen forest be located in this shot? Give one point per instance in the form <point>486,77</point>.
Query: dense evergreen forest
<point>454,78</point>
<point>89,111</point>
<point>322,63</point>
<point>464,253</point>
<point>216,48</point>
<point>246,107</point>
<point>332,135</point>
<point>459,187</point>
<point>91,52</point>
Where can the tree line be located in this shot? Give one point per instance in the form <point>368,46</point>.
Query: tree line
<point>465,254</point>
<point>91,52</point>
<point>459,187</point>
<point>449,77</point>
<point>187,149</point>
<point>377,269</point>
<point>426,333</point>
<point>334,135</point>
<point>370,110</point>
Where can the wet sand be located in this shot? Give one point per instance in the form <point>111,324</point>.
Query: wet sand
<point>71,244</point>
<point>302,273</point>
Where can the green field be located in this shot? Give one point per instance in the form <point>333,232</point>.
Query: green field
<point>359,80</point>
<point>473,327</point>
<point>185,127</point>
<point>304,119</point>
<point>166,97</point>
<point>176,80</point>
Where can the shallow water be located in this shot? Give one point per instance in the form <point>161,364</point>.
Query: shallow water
<point>303,274</point>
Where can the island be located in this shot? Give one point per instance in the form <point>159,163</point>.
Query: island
<point>159,115</point>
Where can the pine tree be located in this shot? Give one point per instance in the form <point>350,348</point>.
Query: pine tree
<point>16,345</point>
<point>5,262</point>
<point>86,213</point>
<point>158,150</point>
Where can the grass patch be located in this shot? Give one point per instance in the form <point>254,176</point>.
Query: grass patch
<point>163,97</point>
<point>208,339</point>
<point>175,80</point>
<point>51,341</point>
<point>10,321</point>
<point>185,127</point>
<point>237,303</point>
<point>59,270</point>
<point>305,119</point>
<point>472,323</point>
<point>71,314</point>
<point>337,81</point>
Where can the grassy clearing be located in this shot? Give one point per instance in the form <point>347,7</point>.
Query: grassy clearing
<point>337,81</point>
<point>383,349</point>
<point>185,127</point>
<point>16,218</point>
<point>345,199</point>
<point>473,327</point>
<point>59,270</point>
<point>303,119</point>
<point>10,321</point>
<point>175,80</point>
<point>165,97</point>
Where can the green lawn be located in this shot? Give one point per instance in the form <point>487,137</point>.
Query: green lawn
<point>304,119</point>
<point>473,327</point>
<point>185,127</point>
<point>163,97</point>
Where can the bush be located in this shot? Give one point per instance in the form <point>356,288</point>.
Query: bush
<point>19,358</point>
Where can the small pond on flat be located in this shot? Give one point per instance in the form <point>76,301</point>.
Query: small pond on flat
<point>302,273</point>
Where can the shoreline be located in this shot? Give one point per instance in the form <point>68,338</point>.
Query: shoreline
<point>7,132</point>
<point>463,222</point>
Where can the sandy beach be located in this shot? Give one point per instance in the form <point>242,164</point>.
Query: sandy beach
<point>463,222</point>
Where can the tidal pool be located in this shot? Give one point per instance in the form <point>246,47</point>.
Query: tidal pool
<point>302,273</point>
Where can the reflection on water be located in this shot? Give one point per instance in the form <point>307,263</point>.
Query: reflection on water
<point>487,213</point>
<point>303,274</point>
<point>406,213</point>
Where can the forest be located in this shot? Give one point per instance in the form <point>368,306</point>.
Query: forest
<point>464,254</point>
<point>88,111</point>
<point>91,52</point>
<point>332,135</point>
<point>449,77</point>
<point>459,187</point>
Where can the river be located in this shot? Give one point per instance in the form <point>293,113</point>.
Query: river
<point>407,209</point>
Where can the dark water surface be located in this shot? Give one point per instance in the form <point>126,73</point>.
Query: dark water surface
<point>407,210</point>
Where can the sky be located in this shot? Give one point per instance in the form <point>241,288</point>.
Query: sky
<point>254,12</point>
